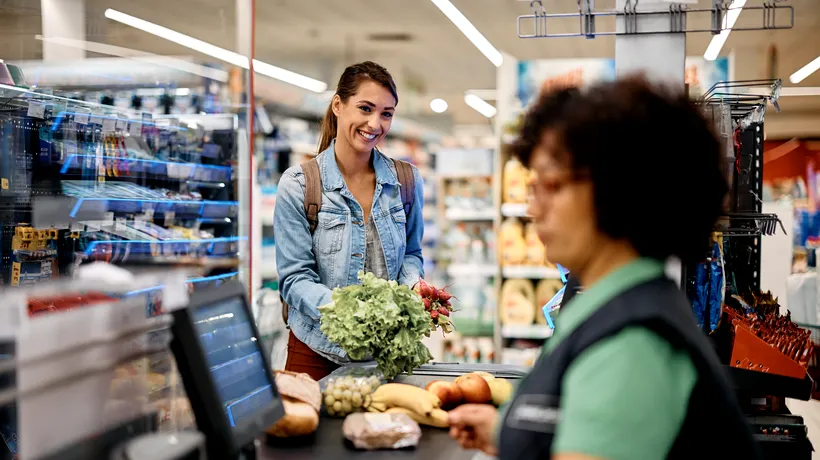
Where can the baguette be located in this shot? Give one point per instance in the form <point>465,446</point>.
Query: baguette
<point>300,419</point>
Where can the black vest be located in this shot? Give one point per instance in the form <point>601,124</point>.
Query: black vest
<point>714,427</point>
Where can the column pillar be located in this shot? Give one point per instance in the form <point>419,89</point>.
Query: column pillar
<point>62,19</point>
<point>661,57</point>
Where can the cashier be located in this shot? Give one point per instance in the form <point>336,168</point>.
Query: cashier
<point>627,176</point>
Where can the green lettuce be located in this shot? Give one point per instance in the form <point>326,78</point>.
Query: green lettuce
<point>381,318</point>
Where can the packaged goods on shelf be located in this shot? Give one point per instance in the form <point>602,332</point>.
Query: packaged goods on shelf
<point>512,246</point>
<point>545,290</point>
<point>515,182</point>
<point>517,303</point>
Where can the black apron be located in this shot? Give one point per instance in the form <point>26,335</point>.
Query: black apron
<point>714,427</point>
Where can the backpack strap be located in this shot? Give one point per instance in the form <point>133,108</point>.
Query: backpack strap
<point>313,192</point>
<point>408,184</point>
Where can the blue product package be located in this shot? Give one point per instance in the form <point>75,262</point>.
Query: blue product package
<point>701,293</point>
<point>553,304</point>
<point>715,287</point>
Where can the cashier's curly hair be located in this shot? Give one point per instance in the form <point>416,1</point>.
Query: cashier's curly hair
<point>652,158</point>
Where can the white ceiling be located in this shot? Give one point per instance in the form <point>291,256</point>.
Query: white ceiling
<point>319,37</point>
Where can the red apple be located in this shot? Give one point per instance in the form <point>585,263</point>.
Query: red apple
<point>475,389</point>
<point>448,392</point>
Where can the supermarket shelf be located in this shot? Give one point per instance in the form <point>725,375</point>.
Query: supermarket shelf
<point>472,327</point>
<point>204,279</point>
<point>533,331</point>
<point>124,167</point>
<point>514,210</point>
<point>202,208</point>
<point>462,270</point>
<point>470,214</point>
<point>213,247</point>
<point>526,272</point>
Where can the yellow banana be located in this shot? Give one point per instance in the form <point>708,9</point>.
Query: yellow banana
<point>437,418</point>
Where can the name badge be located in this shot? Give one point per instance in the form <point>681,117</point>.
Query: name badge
<point>538,413</point>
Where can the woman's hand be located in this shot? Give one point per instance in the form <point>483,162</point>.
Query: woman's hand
<point>473,426</point>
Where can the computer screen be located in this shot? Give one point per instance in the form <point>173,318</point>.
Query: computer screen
<point>234,358</point>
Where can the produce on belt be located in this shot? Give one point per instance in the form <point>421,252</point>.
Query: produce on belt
<point>301,400</point>
<point>448,392</point>
<point>437,304</point>
<point>502,391</point>
<point>348,394</point>
<point>485,375</point>
<point>438,418</point>
<point>380,318</point>
<point>381,431</point>
<point>401,395</point>
<point>475,389</point>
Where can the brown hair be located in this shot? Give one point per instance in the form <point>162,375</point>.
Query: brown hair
<point>349,82</point>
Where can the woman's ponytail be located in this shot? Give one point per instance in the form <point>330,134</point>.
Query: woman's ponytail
<point>349,83</point>
<point>328,129</point>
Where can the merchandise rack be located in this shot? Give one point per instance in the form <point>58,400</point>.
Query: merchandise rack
<point>83,182</point>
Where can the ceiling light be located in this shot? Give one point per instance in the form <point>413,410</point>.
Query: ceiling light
<point>217,52</point>
<point>438,105</point>
<point>807,70</point>
<point>480,105</point>
<point>468,29</point>
<point>729,20</point>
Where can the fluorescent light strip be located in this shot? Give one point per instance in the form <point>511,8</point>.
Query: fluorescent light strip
<point>165,61</point>
<point>228,56</point>
<point>480,105</point>
<point>804,72</point>
<point>468,29</point>
<point>729,19</point>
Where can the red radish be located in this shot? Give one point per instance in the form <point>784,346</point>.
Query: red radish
<point>444,311</point>
<point>444,295</point>
<point>444,303</point>
<point>434,314</point>
<point>425,290</point>
<point>427,304</point>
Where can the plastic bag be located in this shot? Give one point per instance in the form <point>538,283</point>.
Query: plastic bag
<point>348,390</point>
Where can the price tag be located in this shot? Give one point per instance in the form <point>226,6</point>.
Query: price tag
<point>120,224</point>
<point>81,117</point>
<point>169,218</point>
<point>58,108</point>
<point>122,124</point>
<point>148,214</point>
<point>77,227</point>
<point>146,118</point>
<point>36,109</point>
<point>135,128</point>
<point>93,225</point>
<point>97,117</point>
<point>109,124</point>
<point>108,218</point>
<point>4,183</point>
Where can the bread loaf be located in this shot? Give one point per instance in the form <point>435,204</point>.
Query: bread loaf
<point>381,431</point>
<point>302,401</point>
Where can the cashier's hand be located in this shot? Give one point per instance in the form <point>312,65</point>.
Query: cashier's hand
<point>473,426</point>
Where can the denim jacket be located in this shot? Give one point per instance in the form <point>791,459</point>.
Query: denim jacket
<point>311,266</point>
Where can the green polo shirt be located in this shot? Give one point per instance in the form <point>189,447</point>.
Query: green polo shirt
<point>626,397</point>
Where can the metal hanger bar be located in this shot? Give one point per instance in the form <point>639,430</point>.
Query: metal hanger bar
<point>677,20</point>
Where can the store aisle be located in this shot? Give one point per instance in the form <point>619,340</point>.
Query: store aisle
<point>810,411</point>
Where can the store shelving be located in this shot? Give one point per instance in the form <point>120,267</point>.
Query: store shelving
<point>466,215</point>
<point>463,270</point>
<point>532,331</point>
<point>114,185</point>
<point>530,272</point>
<point>514,210</point>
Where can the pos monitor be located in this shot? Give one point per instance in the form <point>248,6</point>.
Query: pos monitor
<point>227,377</point>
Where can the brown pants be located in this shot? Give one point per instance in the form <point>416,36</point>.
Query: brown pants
<point>302,359</point>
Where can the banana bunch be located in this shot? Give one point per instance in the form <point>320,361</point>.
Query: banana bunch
<point>398,398</point>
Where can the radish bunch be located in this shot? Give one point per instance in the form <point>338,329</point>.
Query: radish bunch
<point>437,303</point>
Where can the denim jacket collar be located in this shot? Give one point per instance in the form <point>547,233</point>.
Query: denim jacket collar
<point>332,177</point>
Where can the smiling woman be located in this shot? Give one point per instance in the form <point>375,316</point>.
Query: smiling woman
<point>352,208</point>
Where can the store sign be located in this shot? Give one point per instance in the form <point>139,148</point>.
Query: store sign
<point>535,77</point>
